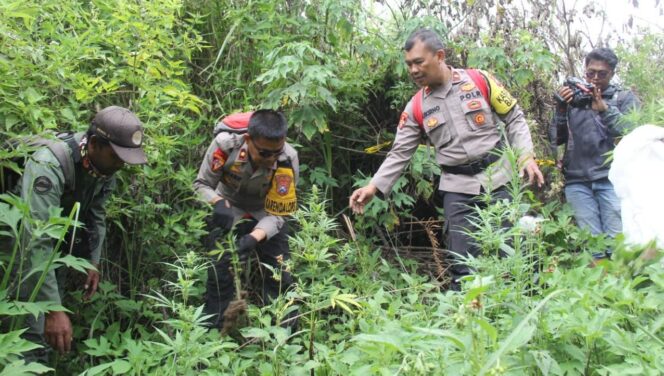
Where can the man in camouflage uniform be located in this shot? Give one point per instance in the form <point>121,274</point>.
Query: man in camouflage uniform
<point>249,176</point>
<point>462,125</point>
<point>114,138</point>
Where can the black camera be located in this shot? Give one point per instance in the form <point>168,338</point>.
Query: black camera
<point>582,92</point>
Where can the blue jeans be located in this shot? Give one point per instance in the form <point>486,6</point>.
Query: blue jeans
<point>596,206</point>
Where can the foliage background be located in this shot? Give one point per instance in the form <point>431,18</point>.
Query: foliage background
<point>335,68</point>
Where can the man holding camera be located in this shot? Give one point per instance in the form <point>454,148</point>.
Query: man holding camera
<point>588,119</point>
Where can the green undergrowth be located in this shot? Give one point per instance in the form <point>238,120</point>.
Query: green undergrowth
<point>542,310</point>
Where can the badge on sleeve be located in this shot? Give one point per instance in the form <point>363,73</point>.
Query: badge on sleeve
<point>402,119</point>
<point>281,198</point>
<point>218,159</point>
<point>42,185</point>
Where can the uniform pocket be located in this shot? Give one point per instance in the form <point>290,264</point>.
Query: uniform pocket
<point>477,114</point>
<point>437,130</point>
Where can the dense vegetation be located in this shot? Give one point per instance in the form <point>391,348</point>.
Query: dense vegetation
<point>371,303</point>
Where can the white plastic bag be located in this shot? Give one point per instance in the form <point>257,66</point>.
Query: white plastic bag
<point>637,174</point>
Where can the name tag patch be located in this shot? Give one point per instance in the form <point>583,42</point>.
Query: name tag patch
<point>431,111</point>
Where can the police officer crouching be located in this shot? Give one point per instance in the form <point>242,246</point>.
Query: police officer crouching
<point>250,178</point>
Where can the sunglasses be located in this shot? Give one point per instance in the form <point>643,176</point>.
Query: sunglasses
<point>265,153</point>
<point>602,74</point>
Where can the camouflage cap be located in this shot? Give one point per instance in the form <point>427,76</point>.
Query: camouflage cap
<point>124,132</point>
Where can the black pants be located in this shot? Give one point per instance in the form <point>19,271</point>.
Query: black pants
<point>220,288</point>
<point>458,210</point>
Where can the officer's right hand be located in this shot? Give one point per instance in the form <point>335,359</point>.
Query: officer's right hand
<point>245,245</point>
<point>57,331</point>
<point>222,215</point>
<point>361,197</point>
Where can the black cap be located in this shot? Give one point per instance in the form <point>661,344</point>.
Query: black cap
<point>124,132</point>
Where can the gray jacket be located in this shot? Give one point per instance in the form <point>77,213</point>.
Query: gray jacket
<point>589,135</point>
<point>265,194</point>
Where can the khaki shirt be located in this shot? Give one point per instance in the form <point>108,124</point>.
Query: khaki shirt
<point>462,126</point>
<point>227,172</point>
<point>42,186</point>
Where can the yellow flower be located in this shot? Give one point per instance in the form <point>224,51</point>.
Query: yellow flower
<point>545,162</point>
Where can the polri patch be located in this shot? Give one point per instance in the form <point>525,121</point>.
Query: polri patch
<point>42,185</point>
<point>242,156</point>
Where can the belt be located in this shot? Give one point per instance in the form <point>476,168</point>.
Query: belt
<point>476,166</point>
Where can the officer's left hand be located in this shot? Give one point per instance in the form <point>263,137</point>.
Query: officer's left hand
<point>598,103</point>
<point>92,282</point>
<point>534,172</point>
<point>245,245</point>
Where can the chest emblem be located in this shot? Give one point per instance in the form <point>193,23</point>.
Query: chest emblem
<point>432,122</point>
<point>474,105</point>
<point>236,168</point>
<point>467,87</point>
<point>479,119</point>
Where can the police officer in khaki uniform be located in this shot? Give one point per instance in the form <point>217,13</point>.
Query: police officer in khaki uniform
<point>249,176</point>
<point>462,126</point>
<point>114,138</point>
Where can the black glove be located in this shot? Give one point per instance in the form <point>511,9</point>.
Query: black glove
<point>222,216</point>
<point>244,246</point>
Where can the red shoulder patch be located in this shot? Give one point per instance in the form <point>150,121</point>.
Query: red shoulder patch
<point>218,159</point>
